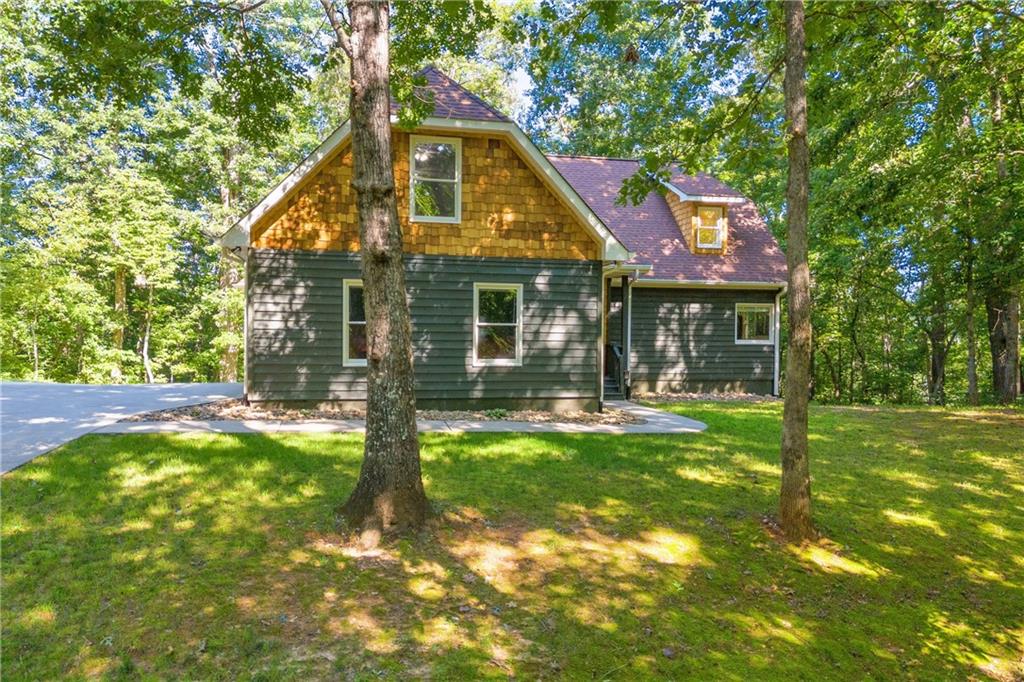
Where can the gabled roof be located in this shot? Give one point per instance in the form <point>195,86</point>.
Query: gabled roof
<point>451,100</point>
<point>456,110</point>
<point>649,230</point>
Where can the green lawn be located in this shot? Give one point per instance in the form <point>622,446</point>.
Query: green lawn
<point>584,557</point>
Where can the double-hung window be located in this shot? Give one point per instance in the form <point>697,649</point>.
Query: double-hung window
<point>754,323</point>
<point>498,324</point>
<point>710,227</point>
<point>435,176</point>
<point>353,340</point>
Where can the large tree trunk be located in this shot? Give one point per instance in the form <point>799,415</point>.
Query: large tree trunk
<point>795,497</point>
<point>389,492</point>
<point>1003,312</point>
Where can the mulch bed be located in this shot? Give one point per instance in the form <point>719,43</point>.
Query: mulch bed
<point>237,410</point>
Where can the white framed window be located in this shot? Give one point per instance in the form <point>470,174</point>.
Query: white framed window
<point>353,331</point>
<point>755,323</point>
<point>497,324</point>
<point>710,227</point>
<point>435,179</point>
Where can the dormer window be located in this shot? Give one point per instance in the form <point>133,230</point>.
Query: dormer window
<point>435,175</point>
<point>710,227</point>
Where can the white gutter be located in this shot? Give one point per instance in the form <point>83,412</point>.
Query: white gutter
<point>708,284</point>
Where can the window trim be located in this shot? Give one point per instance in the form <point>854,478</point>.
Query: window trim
<point>719,227</point>
<point>755,307</point>
<point>498,362</point>
<point>346,361</point>
<point>457,143</point>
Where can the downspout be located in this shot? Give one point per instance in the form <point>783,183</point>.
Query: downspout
<point>778,327</point>
<point>627,341</point>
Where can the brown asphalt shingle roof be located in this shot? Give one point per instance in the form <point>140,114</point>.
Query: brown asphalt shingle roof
<point>451,100</point>
<point>650,230</point>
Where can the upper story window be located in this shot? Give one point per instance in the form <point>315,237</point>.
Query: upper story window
<point>497,324</point>
<point>353,339</point>
<point>435,174</point>
<point>710,227</point>
<point>754,323</point>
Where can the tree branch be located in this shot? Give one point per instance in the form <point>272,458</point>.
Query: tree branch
<point>338,26</point>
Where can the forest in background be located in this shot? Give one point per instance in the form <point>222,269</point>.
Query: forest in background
<point>107,212</point>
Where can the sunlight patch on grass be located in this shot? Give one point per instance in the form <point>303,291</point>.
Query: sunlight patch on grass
<point>137,475</point>
<point>830,561</point>
<point>710,476</point>
<point>764,627</point>
<point>911,478</point>
<point>914,520</point>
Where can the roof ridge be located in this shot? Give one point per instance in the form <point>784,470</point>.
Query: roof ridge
<point>479,100</point>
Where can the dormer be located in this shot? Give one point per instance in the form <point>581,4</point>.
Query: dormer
<point>703,219</point>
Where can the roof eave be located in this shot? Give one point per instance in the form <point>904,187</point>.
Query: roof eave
<point>703,198</point>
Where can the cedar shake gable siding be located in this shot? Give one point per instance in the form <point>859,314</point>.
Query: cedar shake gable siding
<point>652,232</point>
<point>507,210</point>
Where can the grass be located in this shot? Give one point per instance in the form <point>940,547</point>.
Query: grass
<point>555,556</point>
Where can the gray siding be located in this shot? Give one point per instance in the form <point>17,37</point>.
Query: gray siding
<point>685,340</point>
<point>295,308</point>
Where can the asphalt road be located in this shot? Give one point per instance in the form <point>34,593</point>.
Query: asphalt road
<point>35,418</point>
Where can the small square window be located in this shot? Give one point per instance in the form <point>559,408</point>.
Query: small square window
<point>497,324</point>
<point>435,179</point>
<point>353,325</point>
<point>710,226</point>
<point>755,323</point>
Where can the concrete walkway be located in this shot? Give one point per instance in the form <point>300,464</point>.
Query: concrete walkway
<point>657,422</point>
<point>37,417</point>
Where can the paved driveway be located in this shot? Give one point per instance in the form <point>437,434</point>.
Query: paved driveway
<point>35,418</point>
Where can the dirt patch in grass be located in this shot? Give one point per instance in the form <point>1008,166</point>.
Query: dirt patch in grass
<point>238,410</point>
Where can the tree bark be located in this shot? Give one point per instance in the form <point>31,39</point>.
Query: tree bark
<point>146,362</point>
<point>972,337</point>
<point>795,496</point>
<point>229,270</point>
<point>120,309</point>
<point>389,492</point>
<point>937,342</point>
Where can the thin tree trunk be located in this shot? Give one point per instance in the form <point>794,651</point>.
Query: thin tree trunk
<point>229,272</point>
<point>146,362</point>
<point>120,309</point>
<point>972,337</point>
<point>937,342</point>
<point>390,488</point>
<point>795,496</point>
<point>35,351</point>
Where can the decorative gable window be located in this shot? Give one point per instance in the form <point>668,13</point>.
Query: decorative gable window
<point>754,323</point>
<point>435,175</point>
<point>353,339</point>
<point>710,227</point>
<point>497,324</point>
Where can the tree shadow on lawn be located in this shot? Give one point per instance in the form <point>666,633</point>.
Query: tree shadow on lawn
<point>552,556</point>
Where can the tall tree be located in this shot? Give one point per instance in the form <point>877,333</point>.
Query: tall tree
<point>389,491</point>
<point>157,44</point>
<point>795,497</point>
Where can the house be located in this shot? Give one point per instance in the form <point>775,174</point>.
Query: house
<point>527,284</point>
